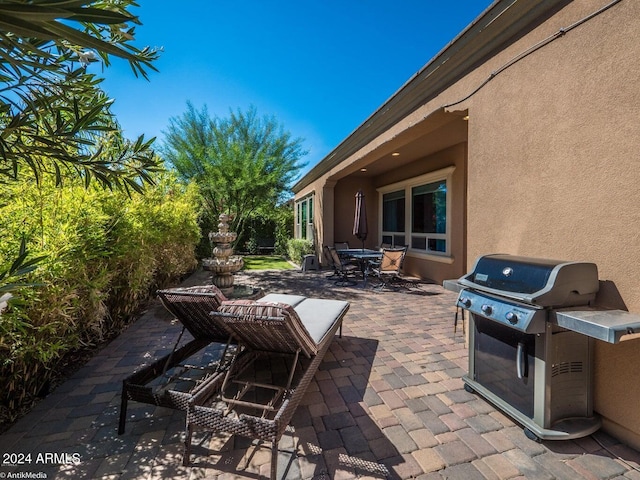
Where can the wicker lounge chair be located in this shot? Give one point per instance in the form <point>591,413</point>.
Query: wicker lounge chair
<point>172,380</point>
<point>283,346</point>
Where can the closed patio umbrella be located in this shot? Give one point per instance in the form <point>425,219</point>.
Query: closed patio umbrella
<point>360,228</point>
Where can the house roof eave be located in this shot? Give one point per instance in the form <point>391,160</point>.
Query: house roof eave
<point>491,31</point>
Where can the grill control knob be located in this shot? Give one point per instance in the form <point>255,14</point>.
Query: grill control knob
<point>512,318</point>
<point>486,309</point>
<point>465,302</point>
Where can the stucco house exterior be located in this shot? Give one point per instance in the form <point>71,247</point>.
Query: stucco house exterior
<point>521,136</point>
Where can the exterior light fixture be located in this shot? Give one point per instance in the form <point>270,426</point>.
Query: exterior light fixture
<point>363,169</point>
<point>395,154</point>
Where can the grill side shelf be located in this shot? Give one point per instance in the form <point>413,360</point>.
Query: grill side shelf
<point>610,326</point>
<point>452,285</point>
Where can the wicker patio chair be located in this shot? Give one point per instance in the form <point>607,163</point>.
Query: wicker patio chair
<point>389,267</point>
<point>282,349</point>
<point>346,272</point>
<point>172,380</point>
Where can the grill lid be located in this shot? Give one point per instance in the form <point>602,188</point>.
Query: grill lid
<point>544,282</point>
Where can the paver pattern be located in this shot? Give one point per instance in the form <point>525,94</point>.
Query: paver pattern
<point>387,402</point>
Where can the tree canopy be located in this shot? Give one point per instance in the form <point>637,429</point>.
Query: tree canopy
<point>54,119</point>
<point>241,163</point>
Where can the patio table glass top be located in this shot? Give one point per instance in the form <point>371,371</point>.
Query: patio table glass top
<point>360,253</point>
<point>364,257</point>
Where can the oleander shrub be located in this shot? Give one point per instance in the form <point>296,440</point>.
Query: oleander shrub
<point>104,255</point>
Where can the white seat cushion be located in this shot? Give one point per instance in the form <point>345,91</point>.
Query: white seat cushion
<point>292,300</point>
<point>318,315</point>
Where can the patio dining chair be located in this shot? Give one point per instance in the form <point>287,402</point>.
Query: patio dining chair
<point>328,259</point>
<point>283,344</point>
<point>346,272</point>
<point>172,380</point>
<point>341,245</point>
<point>388,269</point>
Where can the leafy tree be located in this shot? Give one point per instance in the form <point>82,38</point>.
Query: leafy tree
<point>241,163</point>
<point>54,120</point>
<point>52,113</point>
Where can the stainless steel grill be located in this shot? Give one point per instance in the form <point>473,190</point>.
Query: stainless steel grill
<point>535,281</point>
<point>520,359</point>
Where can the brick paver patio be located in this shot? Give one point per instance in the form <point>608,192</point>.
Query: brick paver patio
<point>387,402</point>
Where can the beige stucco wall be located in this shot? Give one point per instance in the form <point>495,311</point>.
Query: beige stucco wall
<point>344,207</point>
<point>554,171</point>
<point>322,207</point>
<point>454,266</point>
<point>344,210</point>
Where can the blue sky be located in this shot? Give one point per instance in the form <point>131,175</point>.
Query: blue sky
<point>320,67</point>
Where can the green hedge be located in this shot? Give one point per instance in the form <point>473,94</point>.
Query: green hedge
<point>105,254</point>
<point>297,248</point>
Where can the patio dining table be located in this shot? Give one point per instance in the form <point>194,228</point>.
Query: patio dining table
<point>364,257</point>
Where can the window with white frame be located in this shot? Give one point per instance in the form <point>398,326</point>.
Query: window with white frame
<point>417,213</point>
<point>304,217</point>
<point>393,218</point>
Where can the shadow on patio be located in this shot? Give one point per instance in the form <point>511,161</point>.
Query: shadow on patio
<point>387,402</point>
